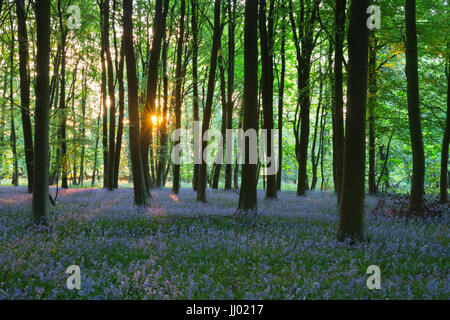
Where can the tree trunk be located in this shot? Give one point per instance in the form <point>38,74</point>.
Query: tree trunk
<point>112,98</point>
<point>371,104</point>
<point>338,98</point>
<point>104,94</point>
<point>415,127</point>
<point>62,100</point>
<point>195,95</point>
<point>165,120</point>
<point>152,83</point>
<point>281,99</point>
<point>351,211</point>
<point>121,117</point>
<point>248,192</point>
<point>25,90</point>
<point>314,160</point>
<point>178,98</point>
<point>218,166</point>
<point>443,194</point>
<point>201,192</point>
<point>94,170</point>
<point>15,175</point>
<point>230,84</point>
<point>304,43</point>
<point>40,206</point>
<point>266,42</point>
<point>140,191</point>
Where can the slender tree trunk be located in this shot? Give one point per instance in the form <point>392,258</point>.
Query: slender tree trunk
<point>218,166</point>
<point>304,43</point>
<point>104,94</point>
<point>62,100</point>
<point>230,84</point>
<point>112,98</point>
<point>121,117</point>
<point>371,104</point>
<point>195,97</point>
<point>202,179</point>
<point>248,193</point>
<point>415,126</point>
<point>266,42</point>
<point>94,170</point>
<point>3,116</point>
<point>40,206</point>
<point>338,98</point>
<point>15,175</point>
<point>443,194</point>
<point>178,97</point>
<point>140,191</point>
<point>351,211</point>
<point>83,127</point>
<point>281,99</point>
<point>322,148</point>
<point>25,90</point>
<point>165,120</point>
<point>152,83</point>
<point>314,160</point>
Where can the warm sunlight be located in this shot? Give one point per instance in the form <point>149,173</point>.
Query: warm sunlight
<point>155,120</point>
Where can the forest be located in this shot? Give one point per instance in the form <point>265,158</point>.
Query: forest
<point>224,149</point>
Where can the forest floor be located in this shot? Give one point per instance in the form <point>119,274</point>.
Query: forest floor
<point>180,249</point>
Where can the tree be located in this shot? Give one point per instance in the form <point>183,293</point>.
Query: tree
<point>25,90</point>
<point>230,85</point>
<point>304,41</point>
<point>281,84</point>
<point>40,206</point>
<point>152,82</point>
<point>248,194</point>
<point>112,99</point>
<point>62,99</point>
<point>443,194</point>
<point>140,192</point>
<point>178,98</point>
<point>195,95</point>
<point>351,211</point>
<point>266,41</point>
<point>415,127</point>
<point>371,103</point>
<point>338,97</point>
<point>201,192</point>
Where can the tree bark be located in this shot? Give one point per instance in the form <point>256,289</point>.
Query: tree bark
<point>223,99</point>
<point>202,179</point>
<point>62,100</point>
<point>248,192</point>
<point>118,150</point>
<point>140,191</point>
<point>40,205</point>
<point>338,98</point>
<point>178,98</point>
<point>266,42</point>
<point>230,85</point>
<point>15,175</point>
<point>304,44</point>
<point>415,127</point>
<point>281,98</point>
<point>83,127</point>
<point>371,104</point>
<point>195,95</point>
<point>25,90</point>
<point>443,194</point>
<point>351,211</point>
